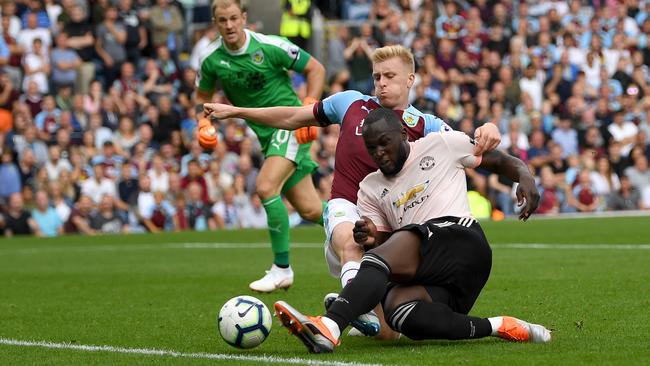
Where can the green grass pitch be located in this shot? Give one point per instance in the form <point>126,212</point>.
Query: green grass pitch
<point>163,292</point>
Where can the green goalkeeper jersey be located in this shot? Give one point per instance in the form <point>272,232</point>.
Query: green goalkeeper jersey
<point>255,75</point>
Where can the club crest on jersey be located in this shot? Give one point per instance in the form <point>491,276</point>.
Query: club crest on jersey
<point>257,57</point>
<point>384,193</point>
<point>427,163</point>
<point>410,194</point>
<point>410,119</point>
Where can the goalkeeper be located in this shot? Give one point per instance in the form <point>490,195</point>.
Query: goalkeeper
<point>252,70</point>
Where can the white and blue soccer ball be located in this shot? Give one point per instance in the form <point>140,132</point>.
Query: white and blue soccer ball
<point>244,322</point>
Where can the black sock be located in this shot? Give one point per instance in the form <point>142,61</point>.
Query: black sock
<point>361,294</point>
<point>424,320</point>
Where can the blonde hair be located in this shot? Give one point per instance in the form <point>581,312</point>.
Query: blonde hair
<point>226,3</point>
<point>387,52</point>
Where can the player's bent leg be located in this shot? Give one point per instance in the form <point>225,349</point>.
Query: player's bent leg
<point>412,311</point>
<point>275,171</point>
<point>350,254</point>
<point>305,199</point>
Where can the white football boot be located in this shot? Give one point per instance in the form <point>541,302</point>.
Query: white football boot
<point>274,279</point>
<point>365,325</point>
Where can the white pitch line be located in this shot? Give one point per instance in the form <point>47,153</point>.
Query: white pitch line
<point>169,353</point>
<point>572,246</point>
<point>136,247</point>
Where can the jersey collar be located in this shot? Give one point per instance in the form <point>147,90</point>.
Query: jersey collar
<point>243,48</point>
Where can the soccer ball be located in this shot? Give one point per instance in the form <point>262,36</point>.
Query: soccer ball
<point>244,322</point>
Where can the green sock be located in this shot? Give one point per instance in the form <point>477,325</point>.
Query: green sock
<point>277,219</point>
<point>320,219</point>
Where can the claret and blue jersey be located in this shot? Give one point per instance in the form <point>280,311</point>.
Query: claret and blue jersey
<point>353,163</point>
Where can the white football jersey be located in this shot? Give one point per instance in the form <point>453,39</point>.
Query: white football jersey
<point>431,183</point>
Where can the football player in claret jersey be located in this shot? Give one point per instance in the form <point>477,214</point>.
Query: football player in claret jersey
<point>416,217</point>
<point>252,71</point>
<point>393,72</point>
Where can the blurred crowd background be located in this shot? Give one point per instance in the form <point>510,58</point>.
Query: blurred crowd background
<point>97,119</point>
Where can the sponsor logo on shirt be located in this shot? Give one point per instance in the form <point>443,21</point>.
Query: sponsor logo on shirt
<point>410,195</point>
<point>224,62</point>
<point>427,163</point>
<point>257,57</point>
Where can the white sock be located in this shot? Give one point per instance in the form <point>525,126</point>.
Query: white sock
<point>332,326</point>
<point>496,324</point>
<point>275,268</point>
<point>348,272</point>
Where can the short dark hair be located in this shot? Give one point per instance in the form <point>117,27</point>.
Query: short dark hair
<point>385,114</point>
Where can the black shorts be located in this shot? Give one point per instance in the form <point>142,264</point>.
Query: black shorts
<point>456,260</point>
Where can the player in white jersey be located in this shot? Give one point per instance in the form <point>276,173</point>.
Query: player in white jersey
<point>424,241</point>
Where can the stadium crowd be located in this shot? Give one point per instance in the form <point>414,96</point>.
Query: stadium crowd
<point>97,119</point>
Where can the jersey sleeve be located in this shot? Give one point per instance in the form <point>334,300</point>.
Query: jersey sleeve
<point>434,124</point>
<point>288,55</point>
<point>461,148</point>
<point>332,109</point>
<point>369,206</point>
<point>206,77</point>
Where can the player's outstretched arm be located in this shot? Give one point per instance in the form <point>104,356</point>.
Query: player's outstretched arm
<point>515,169</point>
<point>285,118</point>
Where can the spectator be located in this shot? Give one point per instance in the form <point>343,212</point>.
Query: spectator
<point>16,220</point>
<point>31,32</point>
<point>253,215</point>
<point>158,174</point>
<point>582,196</point>
<point>98,185</point>
<point>56,163</point>
<point>199,215</point>
<point>58,201</point>
<point>36,64</point>
<point>217,181</point>
<point>566,137</point>
<point>226,212</point>
<point>9,176</point>
<point>450,25</point>
<point>79,219</point>
<point>357,55</point>
<point>604,180</point>
<point>552,197</point>
<point>136,33</point>
<point>27,167</point>
<point>639,173</point>
<point>81,39</point>
<point>625,198</point>
<point>126,137</point>
<point>195,175</point>
<point>111,37</point>
<point>65,62</point>
<point>167,24</point>
<point>49,223</point>
<point>196,153</point>
<point>336,47</point>
<point>106,219</point>
<point>127,187</point>
<point>623,132</point>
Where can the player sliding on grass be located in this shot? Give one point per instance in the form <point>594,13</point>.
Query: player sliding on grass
<point>393,72</point>
<point>435,255</point>
<point>252,69</point>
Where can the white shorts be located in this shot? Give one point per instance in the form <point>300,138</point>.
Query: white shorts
<point>338,210</point>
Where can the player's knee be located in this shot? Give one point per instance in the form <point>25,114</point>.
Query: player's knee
<point>266,189</point>
<point>350,251</point>
<point>374,261</point>
<point>311,213</point>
